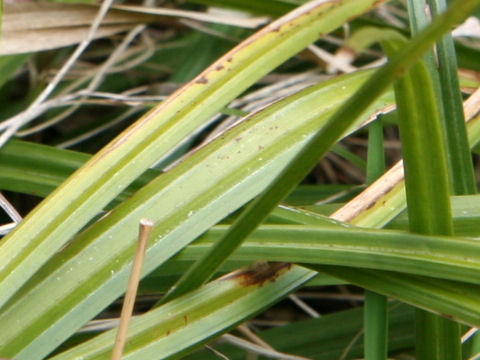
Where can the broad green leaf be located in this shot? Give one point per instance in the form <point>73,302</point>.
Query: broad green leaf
<point>71,206</point>
<point>171,330</point>
<point>86,288</point>
<point>184,202</point>
<point>442,257</point>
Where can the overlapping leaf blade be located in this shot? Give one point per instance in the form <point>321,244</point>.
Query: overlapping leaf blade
<point>82,196</point>
<point>184,202</point>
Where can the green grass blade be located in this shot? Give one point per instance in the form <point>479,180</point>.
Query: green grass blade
<point>460,161</point>
<point>9,64</point>
<point>36,169</point>
<point>349,156</point>
<point>376,305</point>
<point>427,188</point>
<point>426,178</point>
<point>219,305</point>
<point>465,216</point>
<point>376,326</point>
<point>426,255</point>
<point>459,300</point>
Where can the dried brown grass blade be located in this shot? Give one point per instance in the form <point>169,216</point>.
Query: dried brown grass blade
<point>31,27</point>
<point>37,26</point>
<point>48,39</point>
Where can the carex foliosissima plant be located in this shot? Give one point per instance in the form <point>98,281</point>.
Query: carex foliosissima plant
<point>210,161</point>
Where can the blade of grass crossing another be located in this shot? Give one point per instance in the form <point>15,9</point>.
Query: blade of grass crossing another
<point>450,109</point>
<point>458,160</point>
<point>427,188</point>
<point>434,332</point>
<point>458,153</point>
<point>376,305</point>
<point>298,168</point>
<point>459,300</point>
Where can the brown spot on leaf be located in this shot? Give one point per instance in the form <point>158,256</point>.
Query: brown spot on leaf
<point>381,195</point>
<point>219,67</point>
<point>448,316</point>
<point>259,273</point>
<point>202,80</point>
<point>372,204</point>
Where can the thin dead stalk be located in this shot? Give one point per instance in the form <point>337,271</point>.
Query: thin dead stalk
<point>129,300</point>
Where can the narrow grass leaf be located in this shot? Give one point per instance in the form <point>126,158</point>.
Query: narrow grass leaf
<point>376,305</point>
<point>426,185</point>
<point>458,301</point>
<point>458,154</point>
<point>432,256</point>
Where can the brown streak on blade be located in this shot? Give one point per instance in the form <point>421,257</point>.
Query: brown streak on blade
<point>259,273</point>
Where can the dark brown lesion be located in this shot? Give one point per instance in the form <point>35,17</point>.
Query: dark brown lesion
<point>201,80</point>
<point>259,273</point>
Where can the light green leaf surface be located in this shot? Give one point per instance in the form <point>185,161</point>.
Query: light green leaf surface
<point>470,307</point>
<point>444,257</point>
<point>427,185</point>
<point>317,147</point>
<point>57,219</point>
<point>184,203</point>
<point>170,330</point>
<point>91,271</point>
